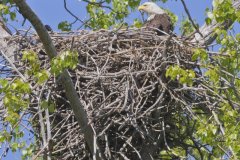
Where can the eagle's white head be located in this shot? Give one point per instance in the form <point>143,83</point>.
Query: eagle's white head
<point>151,8</point>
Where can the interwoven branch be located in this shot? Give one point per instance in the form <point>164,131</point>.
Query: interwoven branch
<point>120,79</point>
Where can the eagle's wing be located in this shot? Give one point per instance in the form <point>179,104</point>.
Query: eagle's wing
<point>161,22</point>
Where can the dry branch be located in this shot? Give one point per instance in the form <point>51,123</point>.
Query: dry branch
<point>207,31</point>
<point>64,77</point>
<point>121,82</point>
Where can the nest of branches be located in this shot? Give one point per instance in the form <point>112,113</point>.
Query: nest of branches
<point>120,78</point>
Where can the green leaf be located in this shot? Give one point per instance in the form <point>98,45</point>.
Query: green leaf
<point>14,146</point>
<point>51,107</point>
<point>44,104</point>
<point>64,26</point>
<point>179,152</point>
<point>208,21</point>
<point>2,138</point>
<point>165,155</point>
<point>48,105</point>
<point>12,15</point>
<point>213,75</point>
<point>137,23</point>
<point>42,76</point>
<point>184,76</point>
<point>67,59</point>
<point>199,53</point>
<point>30,56</point>
<point>24,152</point>
<point>12,118</point>
<point>186,27</point>
<point>3,83</point>
<point>4,8</point>
<point>20,86</point>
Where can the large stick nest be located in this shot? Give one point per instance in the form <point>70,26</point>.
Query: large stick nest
<point>121,82</point>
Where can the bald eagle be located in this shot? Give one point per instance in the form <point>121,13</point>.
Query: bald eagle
<point>158,18</point>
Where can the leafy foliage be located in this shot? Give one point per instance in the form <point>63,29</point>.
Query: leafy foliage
<point>16,101</point>
<point>186,27</point>
<point>218,131</point>
<point>184,76</point>
<point>64,26</point>
<point>213,135</point>
<point>67,59</point>
<point>40,75</point>
<point>102,15</point>
<point>111,14</point>
<point>6,9</point>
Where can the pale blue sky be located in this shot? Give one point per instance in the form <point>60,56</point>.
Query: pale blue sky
<point>52,12</point>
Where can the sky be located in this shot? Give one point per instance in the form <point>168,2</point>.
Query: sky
<point>52,12</point>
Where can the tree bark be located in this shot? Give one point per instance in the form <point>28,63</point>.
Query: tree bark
<point>208,30</point>
<point>5,48</point>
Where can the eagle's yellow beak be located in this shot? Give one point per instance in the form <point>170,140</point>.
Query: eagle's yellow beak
<point>141,8</point>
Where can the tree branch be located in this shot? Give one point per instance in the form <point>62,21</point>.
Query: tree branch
<point>65,79</point>
<point>208,30</point>
<point>76,18</point>
<point>190,18</point>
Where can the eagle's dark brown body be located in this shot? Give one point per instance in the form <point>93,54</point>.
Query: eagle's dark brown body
<point>160,21</point>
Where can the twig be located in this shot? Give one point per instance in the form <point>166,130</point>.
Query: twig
<point>190,18</point>
<point>13,66</point>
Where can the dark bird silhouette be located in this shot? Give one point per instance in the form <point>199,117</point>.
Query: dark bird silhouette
<point>48,28</point>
